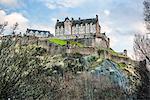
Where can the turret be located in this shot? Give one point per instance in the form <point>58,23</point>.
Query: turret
<point>108,42</point>
<point>57,20</point>
<point>97,17</point>
<point>125,52</point>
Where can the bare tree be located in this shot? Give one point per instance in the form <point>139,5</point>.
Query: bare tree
<point>142,47</point>
<point>142,42</point>
<point>14,28</point>
<point>147,14</point>
<point>142,52</point>
<point>2,27</point>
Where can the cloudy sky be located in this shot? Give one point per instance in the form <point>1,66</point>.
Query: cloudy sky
<point>120,19</point>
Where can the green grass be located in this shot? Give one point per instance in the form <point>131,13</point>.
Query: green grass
<point>76,43</point>
<point>112,51</point>
<point>122,65</point>
<point>116,54</point>
<point>58,41</point>
<point>64,42</point>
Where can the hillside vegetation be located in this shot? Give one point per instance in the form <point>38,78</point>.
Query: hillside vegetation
<point>29,72</point>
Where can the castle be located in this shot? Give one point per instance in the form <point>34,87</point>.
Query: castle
<point>84,31</point>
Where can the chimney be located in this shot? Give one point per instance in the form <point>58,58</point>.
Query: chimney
<point>125,52</point>
<point>72,19</point>
<point>96,16</point>
<point>67,18</point>
<point>79,18</point>
<point>57,20</point>
<point>108,42</point>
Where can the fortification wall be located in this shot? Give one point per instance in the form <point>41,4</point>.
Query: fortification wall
<point>84,51</point>
<point>101,43</point>
<point>54,49</point>
<point>119,59</point>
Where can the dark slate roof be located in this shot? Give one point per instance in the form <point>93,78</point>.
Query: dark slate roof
<point>60,24</point>
<point>84,21</point>
<point>80,21</point>
<point>39,31</point>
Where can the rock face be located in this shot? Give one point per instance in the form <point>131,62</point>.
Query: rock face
<point>126,78</point>
<point>112,70</point>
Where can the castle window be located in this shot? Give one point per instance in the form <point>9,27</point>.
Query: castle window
<point>36,33</point>
<point>77,29</point>
<point>87,28</point>
<point>67,28</point>
<point>43,34</point>
<point>90,29</point>
<point>62,30</point>
<point>80,29</point>
<point>57,31</point>
<point>94,28</point>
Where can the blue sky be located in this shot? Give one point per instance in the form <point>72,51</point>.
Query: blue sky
<point>120,19</point>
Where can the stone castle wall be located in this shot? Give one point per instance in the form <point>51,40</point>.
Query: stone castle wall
<point>54,49</point>
<point>119,59</point>
<point>80,26</point>
<point>85,31</point>
<point>83,51</point>
<point>88,40</point>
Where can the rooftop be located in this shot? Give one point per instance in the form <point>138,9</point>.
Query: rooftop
<point>41,32</point>
<point>79,21</point>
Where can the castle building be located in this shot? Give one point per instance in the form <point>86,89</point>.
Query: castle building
<point>38,33</point>
<point>85,31</point>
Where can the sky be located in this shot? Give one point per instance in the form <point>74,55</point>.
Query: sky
<point>120,19</point>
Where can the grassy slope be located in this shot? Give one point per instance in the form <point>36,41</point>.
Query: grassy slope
<point>64,42</point>
<point>58,41</point>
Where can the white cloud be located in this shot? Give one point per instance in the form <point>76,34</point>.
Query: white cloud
<point>107,12</point>
<point>118,41</point>
<point>2,14</point>
<point>106,28</point>
<point>53,4</point>
<point>9,2</point>
<point>72,3</point>
<point>12,19</point>
<point>54,20</point>
<point>22,21</point>
<point>140,27</point>
<point>16,17</point>
<point>113,40</point>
